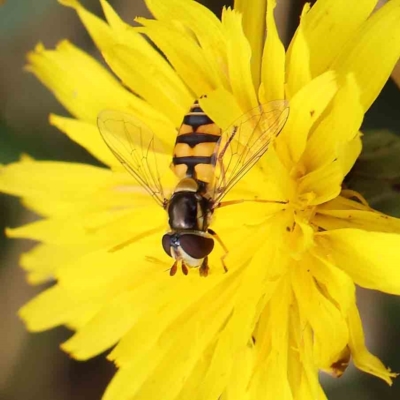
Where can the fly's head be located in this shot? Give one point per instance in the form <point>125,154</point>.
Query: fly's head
<point>189,248</point>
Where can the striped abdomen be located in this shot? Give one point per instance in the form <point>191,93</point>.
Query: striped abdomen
<point>195,145</point>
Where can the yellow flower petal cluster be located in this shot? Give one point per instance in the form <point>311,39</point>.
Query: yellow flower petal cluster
<point>286,308</point>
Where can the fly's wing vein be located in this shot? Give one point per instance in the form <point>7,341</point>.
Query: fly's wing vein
<point>136,148</point>
<point>245,142</point>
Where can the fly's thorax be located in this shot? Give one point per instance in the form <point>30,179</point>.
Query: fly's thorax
<point>189,209</point>
<point>191,247</point>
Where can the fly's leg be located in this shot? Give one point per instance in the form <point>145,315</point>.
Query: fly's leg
<point>173,269</point>
<point>204,268</point>
<point>184,268</point>
<point>233,202</point>
<point>218,239</point>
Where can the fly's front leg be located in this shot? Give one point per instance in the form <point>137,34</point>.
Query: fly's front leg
<point>204,268</point>
<point>184,268</point>
<point>173,269</point>
<point>218,239</point>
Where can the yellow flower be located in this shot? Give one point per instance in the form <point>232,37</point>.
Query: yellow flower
<point>286,308</point>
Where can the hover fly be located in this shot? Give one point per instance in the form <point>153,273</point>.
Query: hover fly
<point>207,161</point>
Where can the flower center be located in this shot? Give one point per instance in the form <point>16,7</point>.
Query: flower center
<point>301,203</point>
<point>300,213</point>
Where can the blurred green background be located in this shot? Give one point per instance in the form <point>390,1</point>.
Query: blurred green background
<point>31,365</point>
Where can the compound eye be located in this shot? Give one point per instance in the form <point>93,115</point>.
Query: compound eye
<point>166,243</point>
<point>196,246</point>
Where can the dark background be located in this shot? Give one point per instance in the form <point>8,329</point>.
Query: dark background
<point>31,365</point>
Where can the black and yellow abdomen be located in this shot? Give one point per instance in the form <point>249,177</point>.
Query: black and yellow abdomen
<point>194,152</point>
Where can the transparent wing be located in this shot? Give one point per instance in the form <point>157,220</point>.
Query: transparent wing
<point>136,147</point>
<point>244,143</point>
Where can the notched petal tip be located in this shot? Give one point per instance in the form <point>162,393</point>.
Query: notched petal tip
<point>362,358</point>
<point>30,56</point>
<point>52,118</point>
<point>9,232</point>
<point>66,348</point>
<point>70,3</point>
<point>38,48</point>
<point>23,317</point>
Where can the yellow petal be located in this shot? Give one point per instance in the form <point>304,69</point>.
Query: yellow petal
<point>276,182</point>
<point>222,107</point>
<point>43,260</point>
<point>329,26</point>
<point>80,83</point>
<point>96,27</point>
<point>350,152</point>
<point>362,358</point>
<point>38,182</point>
<point>345,213</point>
<point>116,197</point>
<point>200,370</point>
<point>96,230</point>
<point>328,324</point>
<point>193,67</point>
<point>347,202</point>
<point>356,251</point>
<point>114,320</point>
<point>177,325</point>
<point>298,73</point>
<point>84,190</point>
<point>98,280</point>
<point>308,387</point>
<point>253,247</point>
<point>305,109</point>
<point>203,23</point>
<point>273,61</point>
<point>168,380</point>
<point>253,12</point>
<point>302,368</point>
<point>239,60</point>
<point>52,308</point>
<point>325,183</point>
<point>152,79</point>
<point>333,282</point>
<point>302,365</point>
<point>338,127</point>
<point>159,321</point>
<point>30,178</point>
<point>301,238</point>
<point>144,79</point>
<point>256,278</point>
<point>87,135</point>
<point>238,383</point>
<point>373,52</point>
<point>83,314</point>
<point>271,347</point>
